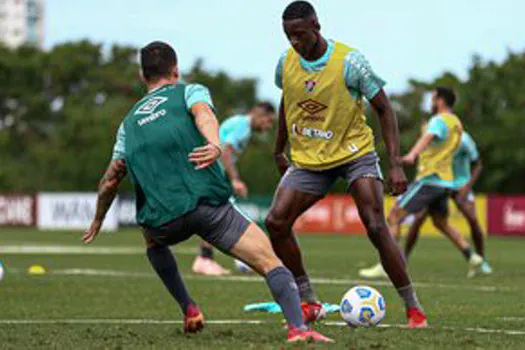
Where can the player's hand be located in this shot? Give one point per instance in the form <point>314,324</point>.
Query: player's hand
<point>409,159</point>
<point>93,231</point>
<point>205,156</point>
<point>397,181</point>
<point>282,163</point>
<point>240,188</point>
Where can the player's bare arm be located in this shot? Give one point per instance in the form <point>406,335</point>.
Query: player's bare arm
<point>396,178</point>
<point>107,191</point>
<point>281,141</point>
<point>421,145</point>
<point>239,187</point>
<point>208,126</point>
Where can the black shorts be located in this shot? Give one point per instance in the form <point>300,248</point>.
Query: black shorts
<point>220,226</point>
<point>420,196</point>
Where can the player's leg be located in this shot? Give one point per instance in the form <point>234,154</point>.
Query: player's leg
<point>467,206</point>
<point>413,231</point>
<point>298,190</point>
<point>287,206</point>
<point>234,234</point>
<point>205,264</point>
<point>165,265</point>
<point>439,213</point>
<point>368,195</point>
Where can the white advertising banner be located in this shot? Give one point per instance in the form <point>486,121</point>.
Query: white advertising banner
<point>71,211</point>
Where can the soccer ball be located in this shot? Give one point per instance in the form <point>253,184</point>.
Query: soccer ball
<point>242,267</point>
<point>363,306</point>
<point>1,271</point>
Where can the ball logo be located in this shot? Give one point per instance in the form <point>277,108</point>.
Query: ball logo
<point>363,293</point>
<point>346,307</point>
<point>381,304</point>
<point>366,315</point>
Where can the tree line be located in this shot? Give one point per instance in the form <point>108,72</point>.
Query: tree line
<point>60,109</point>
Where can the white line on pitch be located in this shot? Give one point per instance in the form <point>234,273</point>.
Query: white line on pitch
<point>80,250</point>
<point>235,278</point>
<point>233,322</point>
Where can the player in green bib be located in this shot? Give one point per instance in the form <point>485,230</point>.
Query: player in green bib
<point>169,144</point>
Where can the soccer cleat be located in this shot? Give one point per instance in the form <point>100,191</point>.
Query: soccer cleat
<point>375,271</point>
<point>485,268</point>
<point>296,335</point>
<point>312,312</point>
<point>208,267</point>
<point>416,318</point>
<point>474,265</point>
<point>193,319</point>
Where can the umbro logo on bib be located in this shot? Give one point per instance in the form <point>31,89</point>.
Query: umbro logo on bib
<point>151,104</point>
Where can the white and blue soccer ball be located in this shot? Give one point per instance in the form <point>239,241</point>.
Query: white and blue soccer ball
<point>363,306</point>
<point>242,267</point>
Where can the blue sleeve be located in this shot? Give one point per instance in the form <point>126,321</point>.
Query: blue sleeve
<point>119,150</point>
<point>279,71</point>
<point>195,93</point>
<point>437,126</point>
<point>470,147</point>
<point>360,77</point>
<point>236,136</point>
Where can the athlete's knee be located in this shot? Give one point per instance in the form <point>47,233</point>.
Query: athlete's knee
<point>440,222</point>
<point>277,225</point>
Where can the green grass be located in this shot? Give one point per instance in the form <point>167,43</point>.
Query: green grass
<point>454,304</point>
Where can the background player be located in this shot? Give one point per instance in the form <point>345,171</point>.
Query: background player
<point>169,143</point>
<point>465,177</point>
<point>321,117</point>
<point>235,134</point>
<point>436,149</point>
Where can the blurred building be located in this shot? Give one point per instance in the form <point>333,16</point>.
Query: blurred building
<point>22,22</point>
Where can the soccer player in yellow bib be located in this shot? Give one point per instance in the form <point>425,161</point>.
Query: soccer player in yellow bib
<point>322,118</point>
<point>435,180</point>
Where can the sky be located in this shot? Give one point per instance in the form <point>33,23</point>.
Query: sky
<point>402,39</point>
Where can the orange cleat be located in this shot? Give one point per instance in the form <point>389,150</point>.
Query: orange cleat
<point>416,318</point>
<point>312,312</point>
<point>193,319</point>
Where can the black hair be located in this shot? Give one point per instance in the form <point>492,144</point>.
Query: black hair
<point>157,60</point>
<point>447,94</point>
<point>298,10</point>
<point>268,107</point>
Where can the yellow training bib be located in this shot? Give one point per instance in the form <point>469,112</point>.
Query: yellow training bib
<point>438,158</point>
<point>326,125</point>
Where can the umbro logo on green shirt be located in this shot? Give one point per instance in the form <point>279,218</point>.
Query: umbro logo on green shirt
<point>150,105</point>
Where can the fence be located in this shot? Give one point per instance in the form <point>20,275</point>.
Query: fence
<point>335,214</point>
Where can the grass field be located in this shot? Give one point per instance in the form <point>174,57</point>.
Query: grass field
<point>110,298</point>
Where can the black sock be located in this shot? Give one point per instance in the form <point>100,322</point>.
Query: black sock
<point>467,252</point>
<point>165,265</point>
<point>206,252</point>
<point>286,294</point>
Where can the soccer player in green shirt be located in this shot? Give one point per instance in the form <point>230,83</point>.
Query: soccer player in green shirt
<point>169,144</point>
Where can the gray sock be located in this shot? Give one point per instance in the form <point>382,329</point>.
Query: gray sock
<point>409,296</point>
<point>284,291</point>
<point>306,290</point>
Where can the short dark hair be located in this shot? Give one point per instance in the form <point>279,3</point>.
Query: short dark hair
<point>447,94</point>
<point>157,60</point>
<point>298,10</point>
<point>268,107</point>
